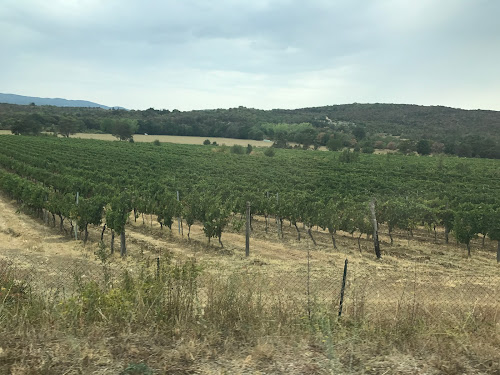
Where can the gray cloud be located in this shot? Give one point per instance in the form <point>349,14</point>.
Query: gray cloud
<point>266,54</point>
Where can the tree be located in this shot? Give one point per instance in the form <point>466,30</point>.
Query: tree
<point>89,211</point>
<point>359,132</point>
<point>467,219</point>
<point>494,230</point>
<point>123,129</point>
<point>406,147</point>
<point>335,143</point>
<point>117,213</point>
<point>214,215</point>
<point>28,125</point>
<point>67,126</point>
<point>423,147</point>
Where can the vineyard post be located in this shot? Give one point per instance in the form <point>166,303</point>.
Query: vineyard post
<point>247,243</point>
<point>76,224</point>
<point>267,216</point>
<point>277,216</point>
<point>179,218</point>
<point>375,229</point>
<point>342,289</point>
<point>308,283</point>
<point>45,212</point>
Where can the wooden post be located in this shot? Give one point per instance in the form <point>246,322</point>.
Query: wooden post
<point>375,229</point>
<point>179,218</point>
<point>45,212</point>
<point>76,224</point>
<point>342,289</point>
<point>123,247</point>
<point>247,243</point>
<point>278,219</point>
<point>267,216</point>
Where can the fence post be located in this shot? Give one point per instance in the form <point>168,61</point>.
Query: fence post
<point>342,289</point>
<point>308,283</point>
<point>158,267</point>
<point>278,219</point>
<point>376,243</point>
<point>247,243</point>
<point>179,218</point>
<point>76,224</point>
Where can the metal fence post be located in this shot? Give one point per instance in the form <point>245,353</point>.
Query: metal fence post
<point>343,289</point>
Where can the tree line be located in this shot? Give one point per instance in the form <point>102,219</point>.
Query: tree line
<point>363,127</point>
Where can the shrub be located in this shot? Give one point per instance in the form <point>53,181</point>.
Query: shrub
<point>206,142</point>
<point>156,142</point>
<point>270,152</point>
<point>237,149</point>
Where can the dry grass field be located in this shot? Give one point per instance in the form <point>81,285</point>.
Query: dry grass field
<point>423,309</point>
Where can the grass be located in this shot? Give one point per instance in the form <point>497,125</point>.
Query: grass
<point>424,308</point>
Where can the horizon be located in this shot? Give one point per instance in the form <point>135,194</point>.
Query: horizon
<point>243,106</point>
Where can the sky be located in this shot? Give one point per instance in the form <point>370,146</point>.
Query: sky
<point>191,54</point>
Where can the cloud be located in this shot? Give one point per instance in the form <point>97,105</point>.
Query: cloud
<point>266,54</point>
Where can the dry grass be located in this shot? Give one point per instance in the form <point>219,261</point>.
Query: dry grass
<point>177,139</point>
<point>410,313</point>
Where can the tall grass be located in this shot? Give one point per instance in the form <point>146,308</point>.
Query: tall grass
<point>193,314</point>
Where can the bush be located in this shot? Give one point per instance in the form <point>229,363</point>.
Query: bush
<point>368,150</point>
<point>249,149</point>
<point>348,157</point>
<point>156,142</point>
<point>237,149</point>
<point>206,142</point>
<point>270,152</point>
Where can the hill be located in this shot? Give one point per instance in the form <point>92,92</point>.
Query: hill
<point>57,102</point>
<point>364,127</point>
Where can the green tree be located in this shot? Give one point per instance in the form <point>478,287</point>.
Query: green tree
<point>31,124</point>
<point>466,224</point>
<point>423,147</point>
<point>67,126</point>
<point>123,129</point>
<point>494,230</point>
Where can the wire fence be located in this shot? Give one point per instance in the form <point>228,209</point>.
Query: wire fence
<point>351,291</point>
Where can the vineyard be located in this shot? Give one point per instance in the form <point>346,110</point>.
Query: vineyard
<point>211,185</point>
<point>428,303</point>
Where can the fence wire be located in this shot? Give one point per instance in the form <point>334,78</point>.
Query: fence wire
<point>367,292</point>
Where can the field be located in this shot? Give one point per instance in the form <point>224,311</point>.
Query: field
<point>425,307</point>
<point>192,140</point>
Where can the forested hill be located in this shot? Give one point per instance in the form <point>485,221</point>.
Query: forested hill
<point>408,128</point>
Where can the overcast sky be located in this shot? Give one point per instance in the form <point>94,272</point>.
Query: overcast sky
<point>265,54</point>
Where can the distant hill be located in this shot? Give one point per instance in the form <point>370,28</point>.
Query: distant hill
<point>365,127</point>
<point>57,102</point>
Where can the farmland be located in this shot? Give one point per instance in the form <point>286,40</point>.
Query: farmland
<point>383,330</point>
